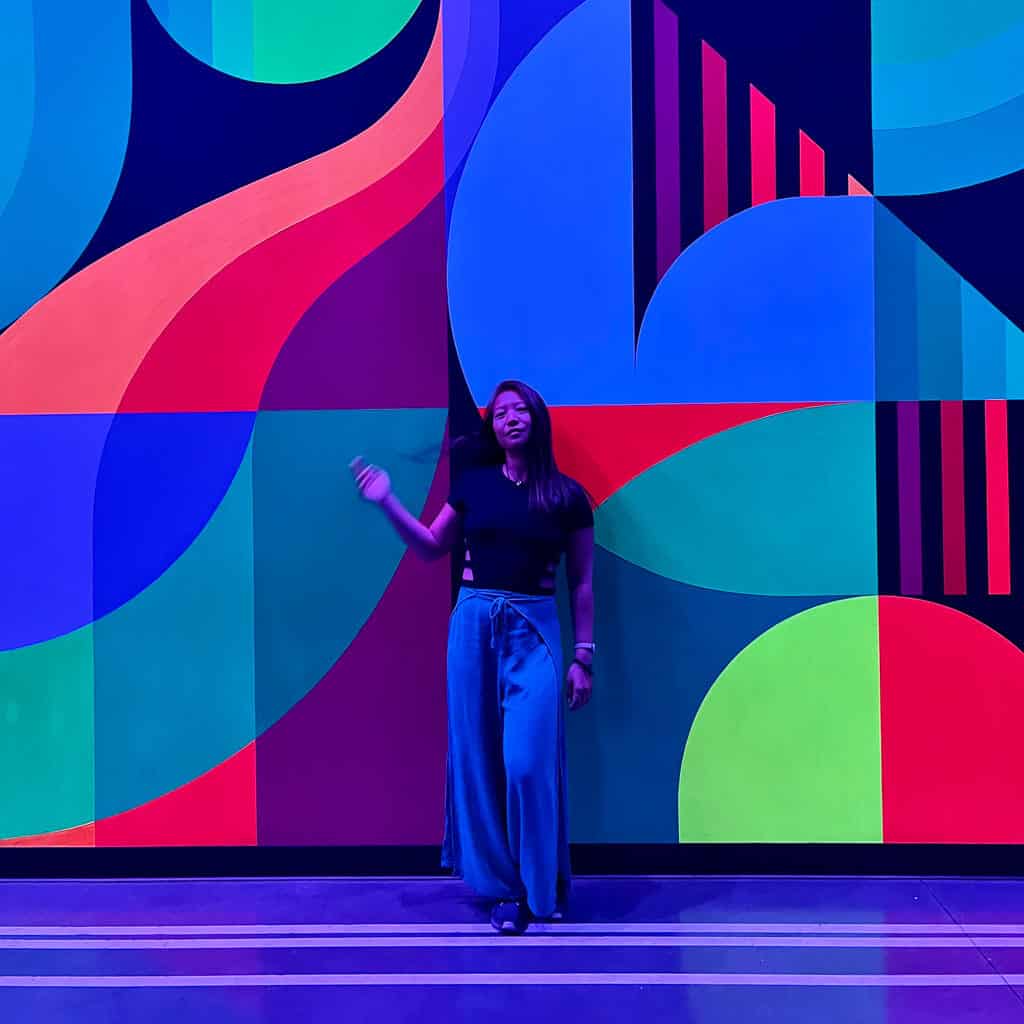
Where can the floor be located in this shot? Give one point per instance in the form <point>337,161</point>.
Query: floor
<point>651,949</point>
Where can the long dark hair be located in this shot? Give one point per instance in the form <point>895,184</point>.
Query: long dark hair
<point>550,490</point>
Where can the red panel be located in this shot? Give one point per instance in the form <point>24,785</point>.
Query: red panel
<point>952,702</point>
<point>812,167</point>
<point>954,531</point>
<point>218,351</point>
<point>604,447</point>
<point>997,494</point>
<point>216,809</point>
<point>83,835</point>
<point>716,146</point>
<point>762,148</point>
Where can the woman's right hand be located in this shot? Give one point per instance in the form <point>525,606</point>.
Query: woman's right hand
<point>373,483</point>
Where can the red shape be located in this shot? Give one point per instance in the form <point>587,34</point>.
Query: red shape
<point>216,354</point>
<point>216,809</point>
<point>762,148</point>
<point>604,447</point>
<point>997,496</point>
<point>952,700</point>
<point>83,835</point>
<point>812,167</point>
<point>716,144</point>
<point>954,530</point>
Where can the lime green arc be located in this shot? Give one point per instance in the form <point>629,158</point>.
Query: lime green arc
<point>283,41</point>
<point>784,505</point>
<point>787,745</point>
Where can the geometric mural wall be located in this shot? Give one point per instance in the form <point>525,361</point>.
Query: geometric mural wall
<point>760,260</point>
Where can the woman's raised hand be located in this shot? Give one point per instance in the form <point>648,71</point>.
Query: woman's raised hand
<point>373,483</point>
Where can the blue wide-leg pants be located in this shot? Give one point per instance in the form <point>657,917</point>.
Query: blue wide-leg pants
<point>506,826</point>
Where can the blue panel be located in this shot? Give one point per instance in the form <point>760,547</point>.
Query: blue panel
<point>540,268</point>
<point>896,308</point>
<point>161,478</point>
<point>48,471</point>
<point>82,105</point>
<point>775,304</point>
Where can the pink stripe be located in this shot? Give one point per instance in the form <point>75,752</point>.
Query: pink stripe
<point>954,530</point>
<point>997,488</point>
<point>812,167</point>
<point>666,136</point>
<point>716,146</point>
<point>762,148</point>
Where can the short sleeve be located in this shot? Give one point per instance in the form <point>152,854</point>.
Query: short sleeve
<point>579,515</point>
<point>457,493</point>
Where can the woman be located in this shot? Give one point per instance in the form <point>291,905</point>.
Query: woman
<point>506,828</point>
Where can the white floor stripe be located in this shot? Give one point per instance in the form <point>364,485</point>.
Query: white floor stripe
<point>585,979</point>
<point>530,941</point>
<point>480,928</point>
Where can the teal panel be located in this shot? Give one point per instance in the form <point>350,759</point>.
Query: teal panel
<point>984,345</point>
<point>323,557</point>
<point>46,735</point>
<point>1014,361</point>
<point>175,675</point>
<point>938,327</point>
<point>784,505</point>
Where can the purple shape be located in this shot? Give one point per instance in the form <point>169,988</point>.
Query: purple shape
<point>48,467</point>
<point>336,770</point>
<point>909,462</point>
<point>352,349</point>
<point>666,136</point>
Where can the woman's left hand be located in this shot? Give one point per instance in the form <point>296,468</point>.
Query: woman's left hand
<point>580,686</point>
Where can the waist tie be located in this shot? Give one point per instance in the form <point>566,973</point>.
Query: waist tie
<point>497,616</point>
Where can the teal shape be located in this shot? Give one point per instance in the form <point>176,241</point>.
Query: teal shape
<point>175,671</point>
<point>324,558</point>
<point>784,505</point>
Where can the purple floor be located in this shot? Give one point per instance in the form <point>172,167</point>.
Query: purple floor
<point>840,950</point>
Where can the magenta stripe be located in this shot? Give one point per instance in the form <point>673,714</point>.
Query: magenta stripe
<point>909,468</point>
<point>395,980</point>
<point>666,136</point>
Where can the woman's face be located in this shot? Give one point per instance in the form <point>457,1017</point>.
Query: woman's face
<point>511,420</point>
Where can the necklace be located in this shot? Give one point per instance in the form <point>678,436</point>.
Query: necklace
<point>509,476</point>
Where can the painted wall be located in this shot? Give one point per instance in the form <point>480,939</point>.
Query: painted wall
<point>761,260</point>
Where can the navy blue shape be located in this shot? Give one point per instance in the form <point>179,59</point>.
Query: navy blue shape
<point>977,230</point>
<point>812,60</point>
<point>161,477</point>
<point>197,133</point>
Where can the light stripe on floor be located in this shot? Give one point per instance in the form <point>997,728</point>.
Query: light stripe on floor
<point>474,928</point>
<point>545,941</point>
<point>588,979</point>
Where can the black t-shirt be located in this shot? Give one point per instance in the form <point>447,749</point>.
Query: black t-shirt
<point>510,546</point>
